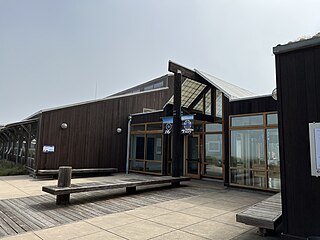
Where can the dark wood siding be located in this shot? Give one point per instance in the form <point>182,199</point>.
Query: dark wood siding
<point>91,140</point>
<point>255,105</point>
<point>298,87</point>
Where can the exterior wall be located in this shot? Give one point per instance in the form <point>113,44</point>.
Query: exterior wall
<point>298,87</point>
<point>91,140</point>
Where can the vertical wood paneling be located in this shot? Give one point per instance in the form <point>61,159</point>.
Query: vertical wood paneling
<point>91,140</point>
<point>298,87</point>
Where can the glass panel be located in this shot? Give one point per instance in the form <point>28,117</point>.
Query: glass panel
<point>274,180</point>
<point>193,155</point>
<point>218,109</point>
<point>192,167</point>
<point>199,106</point>
<point>190,90</point>
<point>198,127</point>
<point>158,85</point>
<point>146,88</point>
<point>213,127</point>
<point>32,148</point>
<point>137,128</point>
<point>248,177</point>
<point>272,119</point>
<point>153,167</point>
<point>238,176</point>
<point>247,149</point>
<point>137,146</point>
<point>213,155</point>
<point>208,103</point>
<point>15,151</point>
<point>256,120</point>
<point>273,150</point>
<point>153,127</point>
<point>137,165</point>
<point>154,147</point>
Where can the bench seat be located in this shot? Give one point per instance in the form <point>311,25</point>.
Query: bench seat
<point>63,193</point>
<point>266,215</point>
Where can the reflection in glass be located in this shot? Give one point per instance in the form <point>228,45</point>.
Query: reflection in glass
<point>273,149</point>
<point>154,147</point>
<point>193,154</point>
<point>247,149</point>
<point>248,177</point>
<point>137,128</point>
<point>137,165</point>
<point>208,103</point>
<point>153,127</point>
<point>213,155</point>
<point>218,107</point>
<point>137,146</point>
<point>213,127</point>
<point>256,120</point>
<point>153,167</point>
<point>272,119</point>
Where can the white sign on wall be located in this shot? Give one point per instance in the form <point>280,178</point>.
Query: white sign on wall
<point>314,136</point>
<point>48,149</point>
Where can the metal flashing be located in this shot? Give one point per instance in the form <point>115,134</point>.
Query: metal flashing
<point>292,46</point>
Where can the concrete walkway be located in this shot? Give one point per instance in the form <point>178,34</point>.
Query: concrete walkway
<point>208,214</point>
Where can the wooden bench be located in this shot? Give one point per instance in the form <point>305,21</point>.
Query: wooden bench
<point>266,215</point>
<point>78,171</point>
<point>63,193</point>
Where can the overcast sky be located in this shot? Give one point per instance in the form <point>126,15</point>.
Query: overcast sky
<point>54,53</point>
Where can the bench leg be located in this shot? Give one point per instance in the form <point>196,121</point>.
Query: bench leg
<point>63,199</point>
<point>175,184</point>
<point>131,189</point>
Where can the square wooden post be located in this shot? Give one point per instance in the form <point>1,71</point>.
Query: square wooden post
<point>177,143</point>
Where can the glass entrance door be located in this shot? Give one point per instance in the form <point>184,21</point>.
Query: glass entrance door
<point>213,160</point>
<point>193,156</point>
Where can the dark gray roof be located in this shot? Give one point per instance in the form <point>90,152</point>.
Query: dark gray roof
<point>300,44</point>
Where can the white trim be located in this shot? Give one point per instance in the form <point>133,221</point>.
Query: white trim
<point>248,98</point>
<point>155,111</point>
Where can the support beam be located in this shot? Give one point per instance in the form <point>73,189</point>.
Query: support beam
<point>185,72</point>
<point>177,143</point>
<point>198,98</point>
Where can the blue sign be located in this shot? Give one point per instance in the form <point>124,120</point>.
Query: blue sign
<point>187,124</point>
<point>167,124</point>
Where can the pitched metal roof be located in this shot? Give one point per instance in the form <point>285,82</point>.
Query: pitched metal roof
<point>231,91</point>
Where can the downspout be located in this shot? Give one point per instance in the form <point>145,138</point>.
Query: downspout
<point>128,144</point>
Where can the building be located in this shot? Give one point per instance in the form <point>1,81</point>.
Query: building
<point>82,135</point>
<point>298,87</point>
<point>189,123</point>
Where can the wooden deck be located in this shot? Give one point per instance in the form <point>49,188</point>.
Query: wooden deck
<point>265,214</point>
<point>39,212</point>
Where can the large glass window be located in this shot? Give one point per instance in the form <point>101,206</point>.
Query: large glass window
<point>254,151</point>
<point>146,148</point>
<point>256,120</point>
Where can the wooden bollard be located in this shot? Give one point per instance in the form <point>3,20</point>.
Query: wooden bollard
<point>64,180</point>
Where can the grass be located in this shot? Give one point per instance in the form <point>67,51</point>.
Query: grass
<point>8,168</point>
